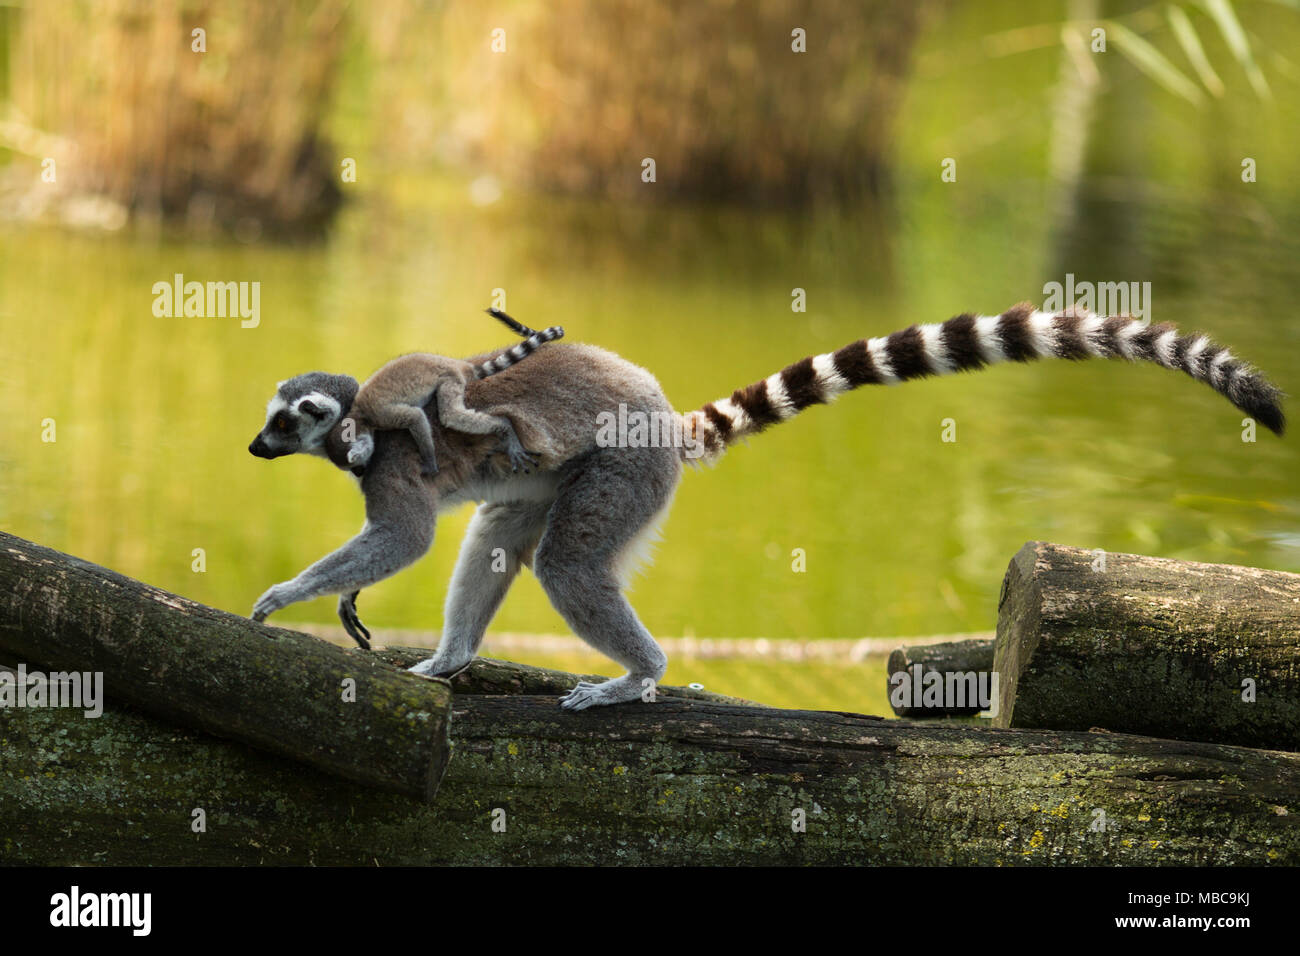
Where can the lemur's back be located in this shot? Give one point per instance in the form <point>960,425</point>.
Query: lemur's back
<point>554,398</point>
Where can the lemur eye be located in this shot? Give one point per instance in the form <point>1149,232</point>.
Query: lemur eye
<point>281,424</point>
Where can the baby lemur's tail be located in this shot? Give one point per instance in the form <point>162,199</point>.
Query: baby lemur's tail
<point>514,326</point>
<point>517,353</point>
<point>969,342</point>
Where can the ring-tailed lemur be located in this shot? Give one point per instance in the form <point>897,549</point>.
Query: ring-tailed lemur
<point>581,516</point>
<point>413,381</point>
<point>394,397</point>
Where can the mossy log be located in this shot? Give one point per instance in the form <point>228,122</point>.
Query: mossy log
<point>959,657</point>
<point>672,782</point>
<point>1149,646</point>
<point>288,693</point>
<point>685,779</point>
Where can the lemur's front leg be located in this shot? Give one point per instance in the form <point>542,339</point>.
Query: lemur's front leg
<point>376,553</point>
<point>400,516</point>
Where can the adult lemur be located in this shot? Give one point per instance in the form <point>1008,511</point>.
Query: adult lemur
<point>578,519</point>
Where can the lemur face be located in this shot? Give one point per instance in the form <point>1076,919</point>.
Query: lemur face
<point>301,414</point>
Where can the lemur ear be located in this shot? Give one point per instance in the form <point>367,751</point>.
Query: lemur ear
<point>307,406</point>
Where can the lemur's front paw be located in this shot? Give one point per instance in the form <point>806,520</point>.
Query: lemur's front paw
<point>276,597</point>
<point>429,468</point>
<point>360,450</point>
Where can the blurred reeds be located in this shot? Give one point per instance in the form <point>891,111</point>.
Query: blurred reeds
<point>228,139</point>
<point>232,138</point>
<point>710,89</point>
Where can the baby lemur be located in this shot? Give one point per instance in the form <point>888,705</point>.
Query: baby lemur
<point>581,516</point>
<point>395,395</point>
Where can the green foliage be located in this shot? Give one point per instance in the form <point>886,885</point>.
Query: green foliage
<point>1221,16</point>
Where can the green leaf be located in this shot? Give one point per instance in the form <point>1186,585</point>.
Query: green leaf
<point>1191,44</point>
<point>1152,62</point>
<point>1226,18</point>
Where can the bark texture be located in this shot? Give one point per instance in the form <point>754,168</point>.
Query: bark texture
<point>486,675</point>
<point>675,782</point>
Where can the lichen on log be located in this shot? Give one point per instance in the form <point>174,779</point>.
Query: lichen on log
<point>674,782</point>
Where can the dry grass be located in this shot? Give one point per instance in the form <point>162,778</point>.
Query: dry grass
<point>228,138</point>
<point>710,89</point>
<point>231,138</point>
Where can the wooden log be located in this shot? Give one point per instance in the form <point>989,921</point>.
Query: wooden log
<point>202,668</point>
<point>1149,646</point>
<point>675,782</point>
<point>959,657</point>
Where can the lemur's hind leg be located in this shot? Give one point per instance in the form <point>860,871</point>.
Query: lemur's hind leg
<point>604,505</point>
<point>483,575</point>
<point>413,420</point>
<point>453,413</point>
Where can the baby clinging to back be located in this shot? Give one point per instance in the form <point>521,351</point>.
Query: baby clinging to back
<point>395,396</point>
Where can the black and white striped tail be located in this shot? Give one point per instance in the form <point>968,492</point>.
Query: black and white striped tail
<point>968,342</point>
<point>513,325</point>
<point>517,353</point>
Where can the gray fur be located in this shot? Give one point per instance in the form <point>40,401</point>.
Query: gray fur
<point>517,353</point>
<point>302,412</point>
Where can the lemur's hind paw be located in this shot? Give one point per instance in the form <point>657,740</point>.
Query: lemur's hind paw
<point>618,691</point>
<point>437,667</point>
<point>521,460</point>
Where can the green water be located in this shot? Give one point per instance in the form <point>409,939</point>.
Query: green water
<point>903,533</point>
